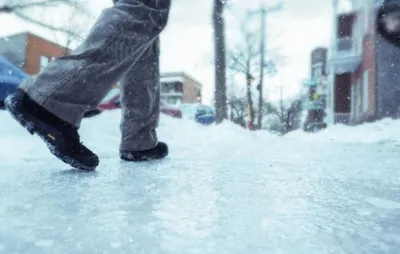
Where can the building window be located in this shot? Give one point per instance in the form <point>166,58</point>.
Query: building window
<point>171,87</point>
<point>198,94</point>
<point>44,61</point>
<point>178,87</point>
<point>365,91</point>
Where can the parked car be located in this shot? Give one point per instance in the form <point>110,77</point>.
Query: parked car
<point>10,78</point>
<point>200,113</point>
<point>113,101</point>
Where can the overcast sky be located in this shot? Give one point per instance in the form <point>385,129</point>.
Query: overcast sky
<point>186,44</point>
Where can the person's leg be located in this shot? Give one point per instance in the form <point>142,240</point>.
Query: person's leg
<point>140,97</point>
<point>70,85</point>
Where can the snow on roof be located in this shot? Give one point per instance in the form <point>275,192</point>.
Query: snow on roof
<point>178,77</point>
<point>172,79</point>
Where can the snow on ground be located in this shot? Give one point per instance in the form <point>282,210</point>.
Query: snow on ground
<point>221,190</point>
<point>386,130</point>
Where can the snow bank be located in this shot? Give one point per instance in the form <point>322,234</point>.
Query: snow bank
<point>180,134</point>
<point>385,130</point>
<point>102,134</point>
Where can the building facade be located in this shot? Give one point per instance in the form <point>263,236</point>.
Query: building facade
<point>363,68</point>
<point>30,52</point>
<point>178,87</point>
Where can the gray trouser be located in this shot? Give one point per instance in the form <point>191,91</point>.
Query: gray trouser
<point>122,45</point>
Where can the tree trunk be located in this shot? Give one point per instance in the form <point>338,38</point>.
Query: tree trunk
<point>250,102</point>
<point>220,62</point>
<point>282,110</point>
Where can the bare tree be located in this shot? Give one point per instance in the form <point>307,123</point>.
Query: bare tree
<point>76,30</point>
<point>238,110</point>
<point>288,113</point>
<point>23,9</point>
<point>243,59</point>
<point>220,61</point>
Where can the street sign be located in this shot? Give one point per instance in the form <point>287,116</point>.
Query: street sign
<point>309,83</point>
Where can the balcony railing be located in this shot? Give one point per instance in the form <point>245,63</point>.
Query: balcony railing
<point>346,46</point>
<point>343,118</point>
<point>346,54</point>
<point>171,93</point>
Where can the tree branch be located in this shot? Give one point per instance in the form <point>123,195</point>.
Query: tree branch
<point>45,3</point>
<point>45,25</point>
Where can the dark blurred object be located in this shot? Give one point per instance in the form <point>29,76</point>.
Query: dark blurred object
<point>112,101</point>
<point>10,78</point>
<point>388,22</point>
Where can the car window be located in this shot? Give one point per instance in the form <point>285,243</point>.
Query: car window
<point>202,110</point>
<point>209,110</point>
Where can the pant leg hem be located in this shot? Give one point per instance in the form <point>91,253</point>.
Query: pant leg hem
<point>137,146</point>
<point>57,108</point>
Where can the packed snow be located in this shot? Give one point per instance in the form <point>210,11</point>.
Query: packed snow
<point>222,190</point>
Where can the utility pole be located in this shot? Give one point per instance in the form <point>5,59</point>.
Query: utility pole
<point>263,12</point>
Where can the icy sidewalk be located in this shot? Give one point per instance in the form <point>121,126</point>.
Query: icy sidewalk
<point>222,190</point>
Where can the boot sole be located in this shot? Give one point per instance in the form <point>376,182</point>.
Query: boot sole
<point>27,121</point>
<point>144,158</point>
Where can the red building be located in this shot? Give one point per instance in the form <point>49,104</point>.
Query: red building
<point>30,52</point>
<point>179,87</point>
<point>363,81</point>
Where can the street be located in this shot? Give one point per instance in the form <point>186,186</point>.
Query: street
<point>221,190</point>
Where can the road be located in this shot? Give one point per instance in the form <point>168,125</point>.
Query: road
<point>222,190</point>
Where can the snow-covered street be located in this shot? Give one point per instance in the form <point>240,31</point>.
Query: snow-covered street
<point>221,190</point>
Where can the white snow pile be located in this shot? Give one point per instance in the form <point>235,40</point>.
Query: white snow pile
<point>385,130</point>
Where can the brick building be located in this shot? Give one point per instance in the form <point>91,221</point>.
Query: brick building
<point>178,87</point>
<point>363,67</point>
<point>30,52</point>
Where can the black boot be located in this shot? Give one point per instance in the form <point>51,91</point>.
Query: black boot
<point>60,137</point>
<point>158,152</point>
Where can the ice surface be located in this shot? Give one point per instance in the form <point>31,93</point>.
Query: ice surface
<point>222,190</point>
